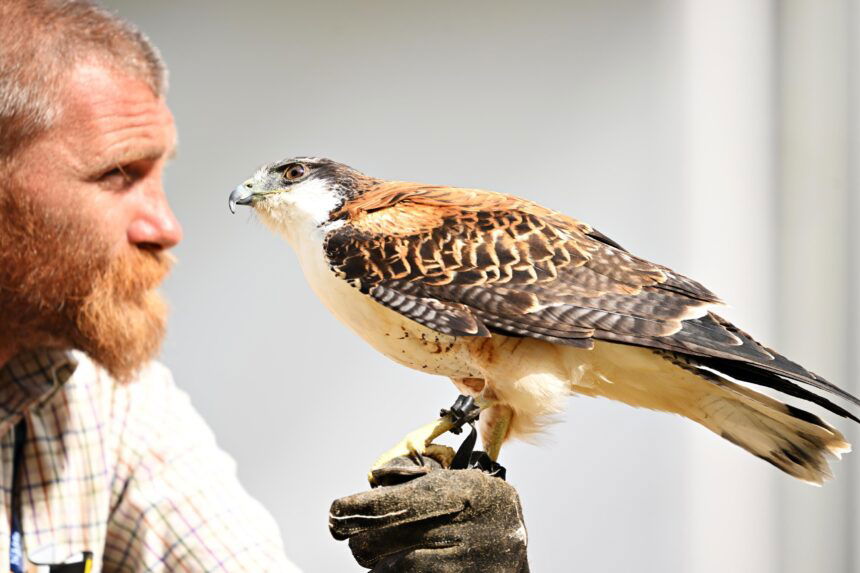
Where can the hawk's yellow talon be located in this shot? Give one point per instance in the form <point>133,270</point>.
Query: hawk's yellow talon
<point>419,442</point>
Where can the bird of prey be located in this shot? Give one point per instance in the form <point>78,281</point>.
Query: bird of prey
<point>522,306</point>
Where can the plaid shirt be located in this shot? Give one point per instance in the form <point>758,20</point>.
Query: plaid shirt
<point>128,472</point>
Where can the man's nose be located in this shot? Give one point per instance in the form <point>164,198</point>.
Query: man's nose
<point>155,224</point>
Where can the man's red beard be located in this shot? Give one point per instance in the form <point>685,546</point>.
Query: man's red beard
<point>61,286</point>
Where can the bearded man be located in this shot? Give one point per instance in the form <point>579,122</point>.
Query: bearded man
<point>105,464</point>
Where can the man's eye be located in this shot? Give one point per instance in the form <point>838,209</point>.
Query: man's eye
<point>116,178</point>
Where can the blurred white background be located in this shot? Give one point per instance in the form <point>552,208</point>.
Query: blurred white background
<point>717,137</point>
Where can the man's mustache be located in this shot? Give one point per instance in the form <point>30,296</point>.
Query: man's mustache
<point>135,272</point>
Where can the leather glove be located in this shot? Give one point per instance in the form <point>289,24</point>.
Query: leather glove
<point>428,519</point>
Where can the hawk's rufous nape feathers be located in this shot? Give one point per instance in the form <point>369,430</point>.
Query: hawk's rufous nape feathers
<point>521,306</point>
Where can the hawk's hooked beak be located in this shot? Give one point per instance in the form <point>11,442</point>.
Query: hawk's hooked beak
<point>241,195</point>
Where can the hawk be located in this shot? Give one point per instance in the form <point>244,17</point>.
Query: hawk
<point>522,306</point>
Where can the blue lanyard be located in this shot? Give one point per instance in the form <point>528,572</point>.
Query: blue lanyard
<point>16,547</point>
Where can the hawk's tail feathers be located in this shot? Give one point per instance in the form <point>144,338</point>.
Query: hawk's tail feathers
<point>794,440</point>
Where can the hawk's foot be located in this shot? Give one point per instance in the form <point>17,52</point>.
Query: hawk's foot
<point>417,443</point>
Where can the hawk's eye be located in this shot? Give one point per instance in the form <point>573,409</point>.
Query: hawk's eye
<point>294,171</point>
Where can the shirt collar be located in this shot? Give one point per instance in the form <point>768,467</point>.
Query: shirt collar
<point>30,379</point>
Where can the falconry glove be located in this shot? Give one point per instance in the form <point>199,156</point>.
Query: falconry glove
<point>424,518</point>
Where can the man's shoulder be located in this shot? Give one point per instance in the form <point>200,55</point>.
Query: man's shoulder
<point>148,392</point>
<point>146,413</point>
<point>89,373</point>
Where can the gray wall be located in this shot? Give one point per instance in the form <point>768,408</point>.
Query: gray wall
<point>655,121</point>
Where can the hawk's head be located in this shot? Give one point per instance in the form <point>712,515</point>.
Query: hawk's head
<point>299,191</point>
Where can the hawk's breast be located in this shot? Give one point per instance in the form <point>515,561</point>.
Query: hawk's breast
<point>389,332</point>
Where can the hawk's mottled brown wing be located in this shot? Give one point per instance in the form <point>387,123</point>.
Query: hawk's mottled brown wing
<point>466,262</point>
<point>516,267</point>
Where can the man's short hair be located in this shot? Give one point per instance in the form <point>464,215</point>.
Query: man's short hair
<point>41,41</point>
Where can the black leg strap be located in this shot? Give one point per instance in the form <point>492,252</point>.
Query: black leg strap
<point>467,458</point>
<point>463,411</point>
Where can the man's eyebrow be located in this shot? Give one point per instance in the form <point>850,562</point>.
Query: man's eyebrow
<point>133,155</point>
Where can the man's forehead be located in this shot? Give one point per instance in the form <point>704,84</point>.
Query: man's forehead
<point>109,112</point>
